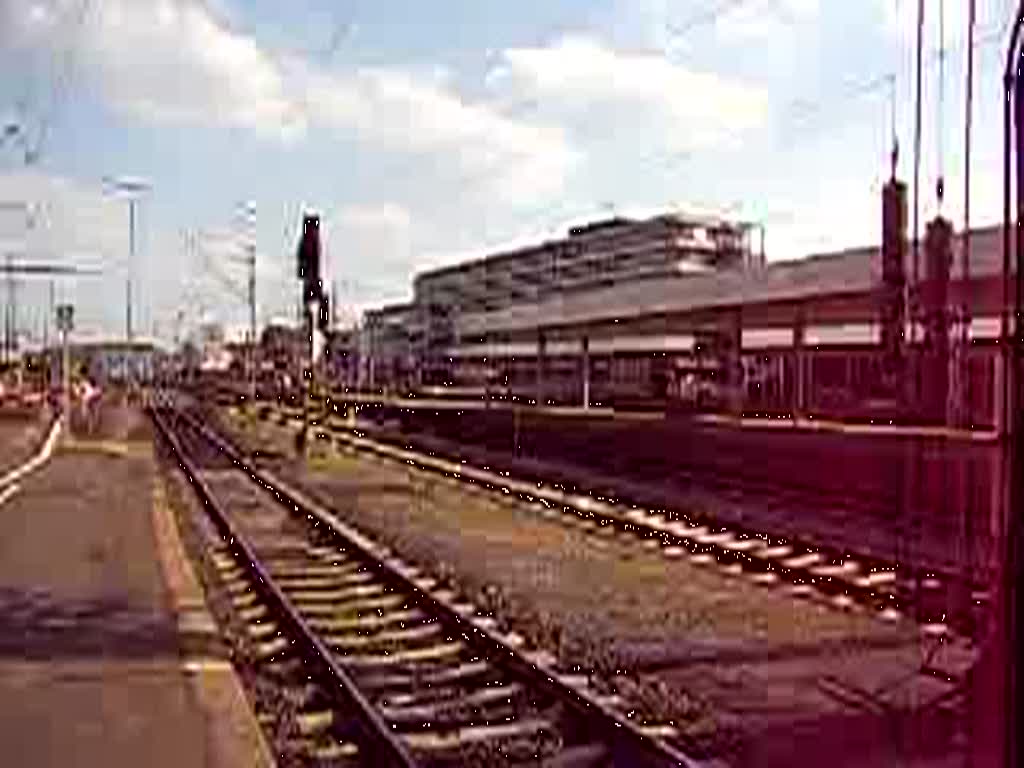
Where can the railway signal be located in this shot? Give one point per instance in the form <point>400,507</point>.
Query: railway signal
<point>308,259</point>
<point>315,309</point>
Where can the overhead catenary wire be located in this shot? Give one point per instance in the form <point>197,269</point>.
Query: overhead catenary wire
<point>63,63</point>
<point>940,108</point>
<point>894,140</point>
<point>805,110</point>
<point>704,18</point>
<point>918,98</point>
<point>968,108</point>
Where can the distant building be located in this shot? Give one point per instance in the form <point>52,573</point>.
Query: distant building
<point>668,308</point>
<point>282,350</point>
<point>213,348</point>
<point>601,254</point>
<point>341,356</point>
<point>385,345</point>
<point>110,362</point>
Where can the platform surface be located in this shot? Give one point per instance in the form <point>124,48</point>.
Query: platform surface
<point>91,669</point>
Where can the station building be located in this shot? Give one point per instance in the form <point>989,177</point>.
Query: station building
<point>414,342</point>
<point>680,310</point>
<point>109,362</point>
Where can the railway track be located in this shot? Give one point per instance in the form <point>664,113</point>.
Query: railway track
<point>945,606</point>
<point>403,670</point>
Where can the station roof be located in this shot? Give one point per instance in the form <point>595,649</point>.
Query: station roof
<point>390,313</point>
<point>851,271</point>
<point>113,346</point>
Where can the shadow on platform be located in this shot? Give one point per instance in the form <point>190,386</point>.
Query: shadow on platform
<point>35,624</point>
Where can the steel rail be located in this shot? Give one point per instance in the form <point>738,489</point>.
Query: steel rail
<point>386,746</point>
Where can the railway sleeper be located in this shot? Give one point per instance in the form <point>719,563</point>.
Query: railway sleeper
<point>353,607</point>
<point>367,620</point>
<point>430,693</point>
<point>306,596</point>
<point>323,750</point>
<point>397,680</point>
<point>436,652</point>
<point>253,613</point>
<point>461,717</point>
<point>300,583</point>
<point>262,630</point>
<point>434,708</point>
<point>385,639</point>
<point>285,568</point>
<point>504,736</point>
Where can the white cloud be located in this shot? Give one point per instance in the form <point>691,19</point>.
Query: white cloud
<point>672,26</point>
<point>176,61</point>
<point>173,60</point>
<point>516,160</point>
<point>765,21</point>
<point>374,233</point>
<point>661,101</point>
<point>368,251</point>
<point>166,60</point>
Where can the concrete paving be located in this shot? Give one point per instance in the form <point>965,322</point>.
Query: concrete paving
<point>94,589</point>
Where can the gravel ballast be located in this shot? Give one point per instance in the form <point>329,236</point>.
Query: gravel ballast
<point>737,665</point>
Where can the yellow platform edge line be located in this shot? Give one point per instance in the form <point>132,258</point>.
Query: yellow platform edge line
<point>236,736</point>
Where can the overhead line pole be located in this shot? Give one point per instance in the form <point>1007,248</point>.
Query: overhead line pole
<point>48,315</point>
<point>968,109</point>
<point>917,202</point>
<point>131,264</point>
<point>251,258</point>
<point>998,675</point>
<point>8,312</point>
<point>252,322</point>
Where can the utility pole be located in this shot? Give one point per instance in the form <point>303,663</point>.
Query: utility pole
<point>8,311</point>
<point>65,322</point>
<point>11,315</point>
<point>46,316</point>
<point>997,678</point>
<point>131,265</point>
<point>253,341</point>
<point>914,284</point>
<point>133,188</point>
<point>965,309</point>
<point>12,288</point>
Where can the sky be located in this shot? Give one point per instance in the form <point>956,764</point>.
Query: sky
<point>426,133</point>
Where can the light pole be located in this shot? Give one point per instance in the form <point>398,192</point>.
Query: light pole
<point>10,306</point>
<point>250,248</point>
<point>134,188</point>
<point>65,324</point>
<point>248,211</point>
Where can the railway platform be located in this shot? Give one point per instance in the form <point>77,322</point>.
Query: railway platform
<point>907,493</point>
<point>107,654</point>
